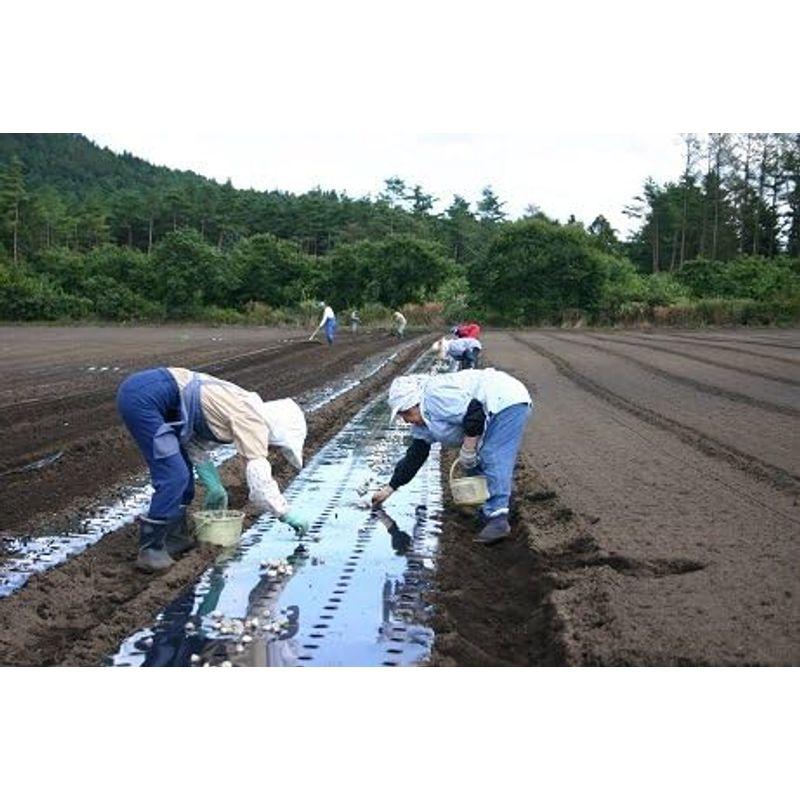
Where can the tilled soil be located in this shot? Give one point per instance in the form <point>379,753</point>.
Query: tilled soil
<point>656,507</point>
<point>655,517</point>
<point>76,613</point>
<point>74,417</point>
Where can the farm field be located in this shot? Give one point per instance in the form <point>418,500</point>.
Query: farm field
<point>658,491</point>
<point>57,399</point>
<point>656,516</point>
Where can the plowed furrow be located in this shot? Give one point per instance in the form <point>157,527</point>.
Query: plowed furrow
<point>776,476</point>
<point>701,386</point>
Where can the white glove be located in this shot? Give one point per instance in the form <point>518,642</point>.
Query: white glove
<point>468,459</point>
<point>264,491</point>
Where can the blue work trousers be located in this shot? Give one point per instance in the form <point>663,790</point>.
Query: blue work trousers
<point>498,454</point>
<point>469,359</point>
<point>330,330</point>
<point>146,400</point>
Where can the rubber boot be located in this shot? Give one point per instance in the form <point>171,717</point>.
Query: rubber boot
<point>179,539</point>
<point>153,555</point>
<point>495,530</point>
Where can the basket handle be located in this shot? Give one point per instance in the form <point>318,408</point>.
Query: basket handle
<point>453,468</point>
<point>198,526</point>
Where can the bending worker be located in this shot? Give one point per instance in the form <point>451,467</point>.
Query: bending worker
<point>328,322</point>
<point>177,417</point>
<point>483,412</point>
<point>468,329</point>
<point>463,351</point>
<point>400,323</point>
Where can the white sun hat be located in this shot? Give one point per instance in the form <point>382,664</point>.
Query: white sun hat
<point>287,428</point>
<point>406,392</point>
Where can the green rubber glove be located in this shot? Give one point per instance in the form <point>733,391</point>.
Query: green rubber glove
<point>294,520</point>
<point>216,497</point>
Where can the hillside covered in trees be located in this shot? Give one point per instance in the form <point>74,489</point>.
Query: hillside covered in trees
<point>87,233</point>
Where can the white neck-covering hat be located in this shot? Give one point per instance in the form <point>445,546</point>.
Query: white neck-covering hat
<point>287,428</point>
<point>406,392</point>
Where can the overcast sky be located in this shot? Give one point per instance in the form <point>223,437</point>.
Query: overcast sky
<point>563,174</point>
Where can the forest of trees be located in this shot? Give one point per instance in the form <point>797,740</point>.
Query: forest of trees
<point>738,195</point>
<point>87,233</point>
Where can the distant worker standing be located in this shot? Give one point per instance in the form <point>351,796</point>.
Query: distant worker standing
<point>328,322</point>
<point>355,321</point>
<point>177,416</point>
<point>400,324</point>
<point>481,411</point>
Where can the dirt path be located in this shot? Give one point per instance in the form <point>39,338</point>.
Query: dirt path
<point>662,517</point>
<point>76,613</point>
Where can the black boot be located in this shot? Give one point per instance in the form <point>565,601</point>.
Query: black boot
<point>153,555</point>
<point>179,539</point>
<point>495,530</point>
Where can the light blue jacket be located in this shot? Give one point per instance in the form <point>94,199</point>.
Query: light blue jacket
<point>445,399</point>
<point>457,347</point>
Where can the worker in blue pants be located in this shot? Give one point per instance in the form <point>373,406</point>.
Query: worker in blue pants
<point>464,351</point>
<point>328,323</point>
<point>147,401</point>
<point>484,413</point>
<point>177,418</point>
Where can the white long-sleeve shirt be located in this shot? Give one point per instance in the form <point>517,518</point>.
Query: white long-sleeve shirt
<point>326,315</point>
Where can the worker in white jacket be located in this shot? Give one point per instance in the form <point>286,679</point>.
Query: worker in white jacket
<point>400,323</point>
<point>481,411</point>
<point>328,322</point>
<point>177,417</point>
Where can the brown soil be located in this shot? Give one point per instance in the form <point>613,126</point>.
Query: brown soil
<point>492,603</point>
<point>655,517</point>
<point>76,613</point>
<point>656,509</point>
<point>75,414</point>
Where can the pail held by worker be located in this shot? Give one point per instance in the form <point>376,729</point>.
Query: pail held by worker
<point>223,528</point>
<point>470,491</point>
